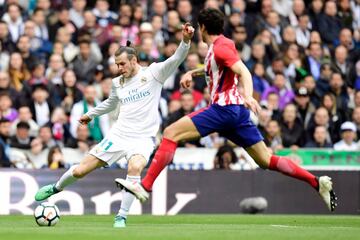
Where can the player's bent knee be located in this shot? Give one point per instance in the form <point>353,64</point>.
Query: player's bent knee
<point>170,133</point>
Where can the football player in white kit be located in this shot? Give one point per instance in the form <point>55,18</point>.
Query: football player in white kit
<point>137,90</point>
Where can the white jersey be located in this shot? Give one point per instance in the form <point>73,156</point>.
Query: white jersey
<point>139,97</point>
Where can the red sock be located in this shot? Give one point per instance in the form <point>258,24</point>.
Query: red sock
<point>163,157</point>
<point>288,167</point>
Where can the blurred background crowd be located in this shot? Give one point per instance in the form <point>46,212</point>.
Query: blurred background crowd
<point>56,63</point>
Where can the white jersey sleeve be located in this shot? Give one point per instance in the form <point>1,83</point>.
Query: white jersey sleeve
<point>161,71</point>
<point>105,106</point>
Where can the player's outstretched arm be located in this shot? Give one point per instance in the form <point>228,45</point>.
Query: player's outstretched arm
<point>186,79</point>
<point>163,70</point>
<point>105,106</point>
<point>245,77</point>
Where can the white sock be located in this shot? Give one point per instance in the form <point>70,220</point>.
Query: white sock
<point>128,198</point>
<point>66,179</point>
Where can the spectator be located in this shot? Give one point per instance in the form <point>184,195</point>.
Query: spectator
<point>25,116</point>
<point>289,36</point>
<point>6,109</point>
<point>46,137</point>
<point>225,158</point>
<point>14,20</point>
<point>329,23</point>
<point>259,80</point>
<point>272,137</point>
<point>56,69</point>
<point>337,114</point>
<point>239,36</point>
<point>99,126</point>
<point>70,51</point>
<point>70,92</point>
<point>104,17</point>
<point>98,34</point>
<point>304,106</point>
<point>184,8</point>
<point>319,139</point>
<point>5,86</point>
<point>5,38</point>
<point>303,32</point>
<point>187,106</point>
<point>41,28</point>
<point>83,142</point>
<point>59,126</point>
<point>314,59</point>
<point>286,96</point>
<point>84,64</point>
<point>18,71</point>
<point>346,39</point>
<point>257,55</point>
<point>292,130</point>
<point>24,46</point>
<point>298,9</point>
<point>55,158</point>
<point>41,107</point>
<point>321,118</point>
<point>344,13</point>
<point>322,84</point>
<point>63,20</point>
<point>340,63</point>
<point>4,143</point>
<point>39,47</point>
<point>77,11</point>
<point>22,138</point>
<point>337,87</point>
<point>348,135</point>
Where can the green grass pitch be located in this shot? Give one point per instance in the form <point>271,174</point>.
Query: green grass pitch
<point>219,227</point>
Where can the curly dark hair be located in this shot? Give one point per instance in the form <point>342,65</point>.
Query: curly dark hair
<point>213,20</point>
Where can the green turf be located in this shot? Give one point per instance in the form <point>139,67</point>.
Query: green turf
<point>198,227</point>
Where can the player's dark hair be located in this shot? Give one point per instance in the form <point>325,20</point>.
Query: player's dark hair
<point>130,50</point>
<point>213,20</point>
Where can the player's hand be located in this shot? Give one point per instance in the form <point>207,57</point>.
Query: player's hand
<point>252,104</point>
<point>186,80</point>
<point>188,32</point>
<point>85,119</point>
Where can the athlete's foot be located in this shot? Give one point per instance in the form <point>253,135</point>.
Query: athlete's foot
<point>46,192</point>
<point>120,222</point>
<point>327,193</point>
<point>133,187</point>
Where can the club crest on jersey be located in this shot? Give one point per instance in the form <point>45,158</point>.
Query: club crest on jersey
<point>143,79</point>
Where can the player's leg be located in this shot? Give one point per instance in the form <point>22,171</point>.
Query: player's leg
<point>136,164</point>
<point>183,129</point>
<point>87,165</point>
<point>264,159</point>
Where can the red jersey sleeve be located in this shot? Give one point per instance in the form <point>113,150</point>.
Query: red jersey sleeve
<point>226,54</point>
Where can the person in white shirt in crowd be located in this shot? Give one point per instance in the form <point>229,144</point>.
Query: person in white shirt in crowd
<point>348,135</point>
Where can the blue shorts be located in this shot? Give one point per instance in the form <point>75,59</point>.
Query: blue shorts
<point>230,121</point>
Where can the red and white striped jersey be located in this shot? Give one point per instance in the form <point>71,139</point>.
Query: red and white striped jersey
<point>222,81</point>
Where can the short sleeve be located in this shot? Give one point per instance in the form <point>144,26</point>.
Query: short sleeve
<point>226,54</point>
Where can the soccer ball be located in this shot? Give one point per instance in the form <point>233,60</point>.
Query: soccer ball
<point>47,214</point>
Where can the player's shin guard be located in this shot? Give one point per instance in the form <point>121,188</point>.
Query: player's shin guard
<point>288,167</point>
<point>163,157</point>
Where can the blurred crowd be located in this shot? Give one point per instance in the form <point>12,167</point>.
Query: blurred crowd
<point>56,63</point>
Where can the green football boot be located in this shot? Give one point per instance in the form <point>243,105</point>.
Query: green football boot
<point>120,222</point>
<point>46,192</point>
